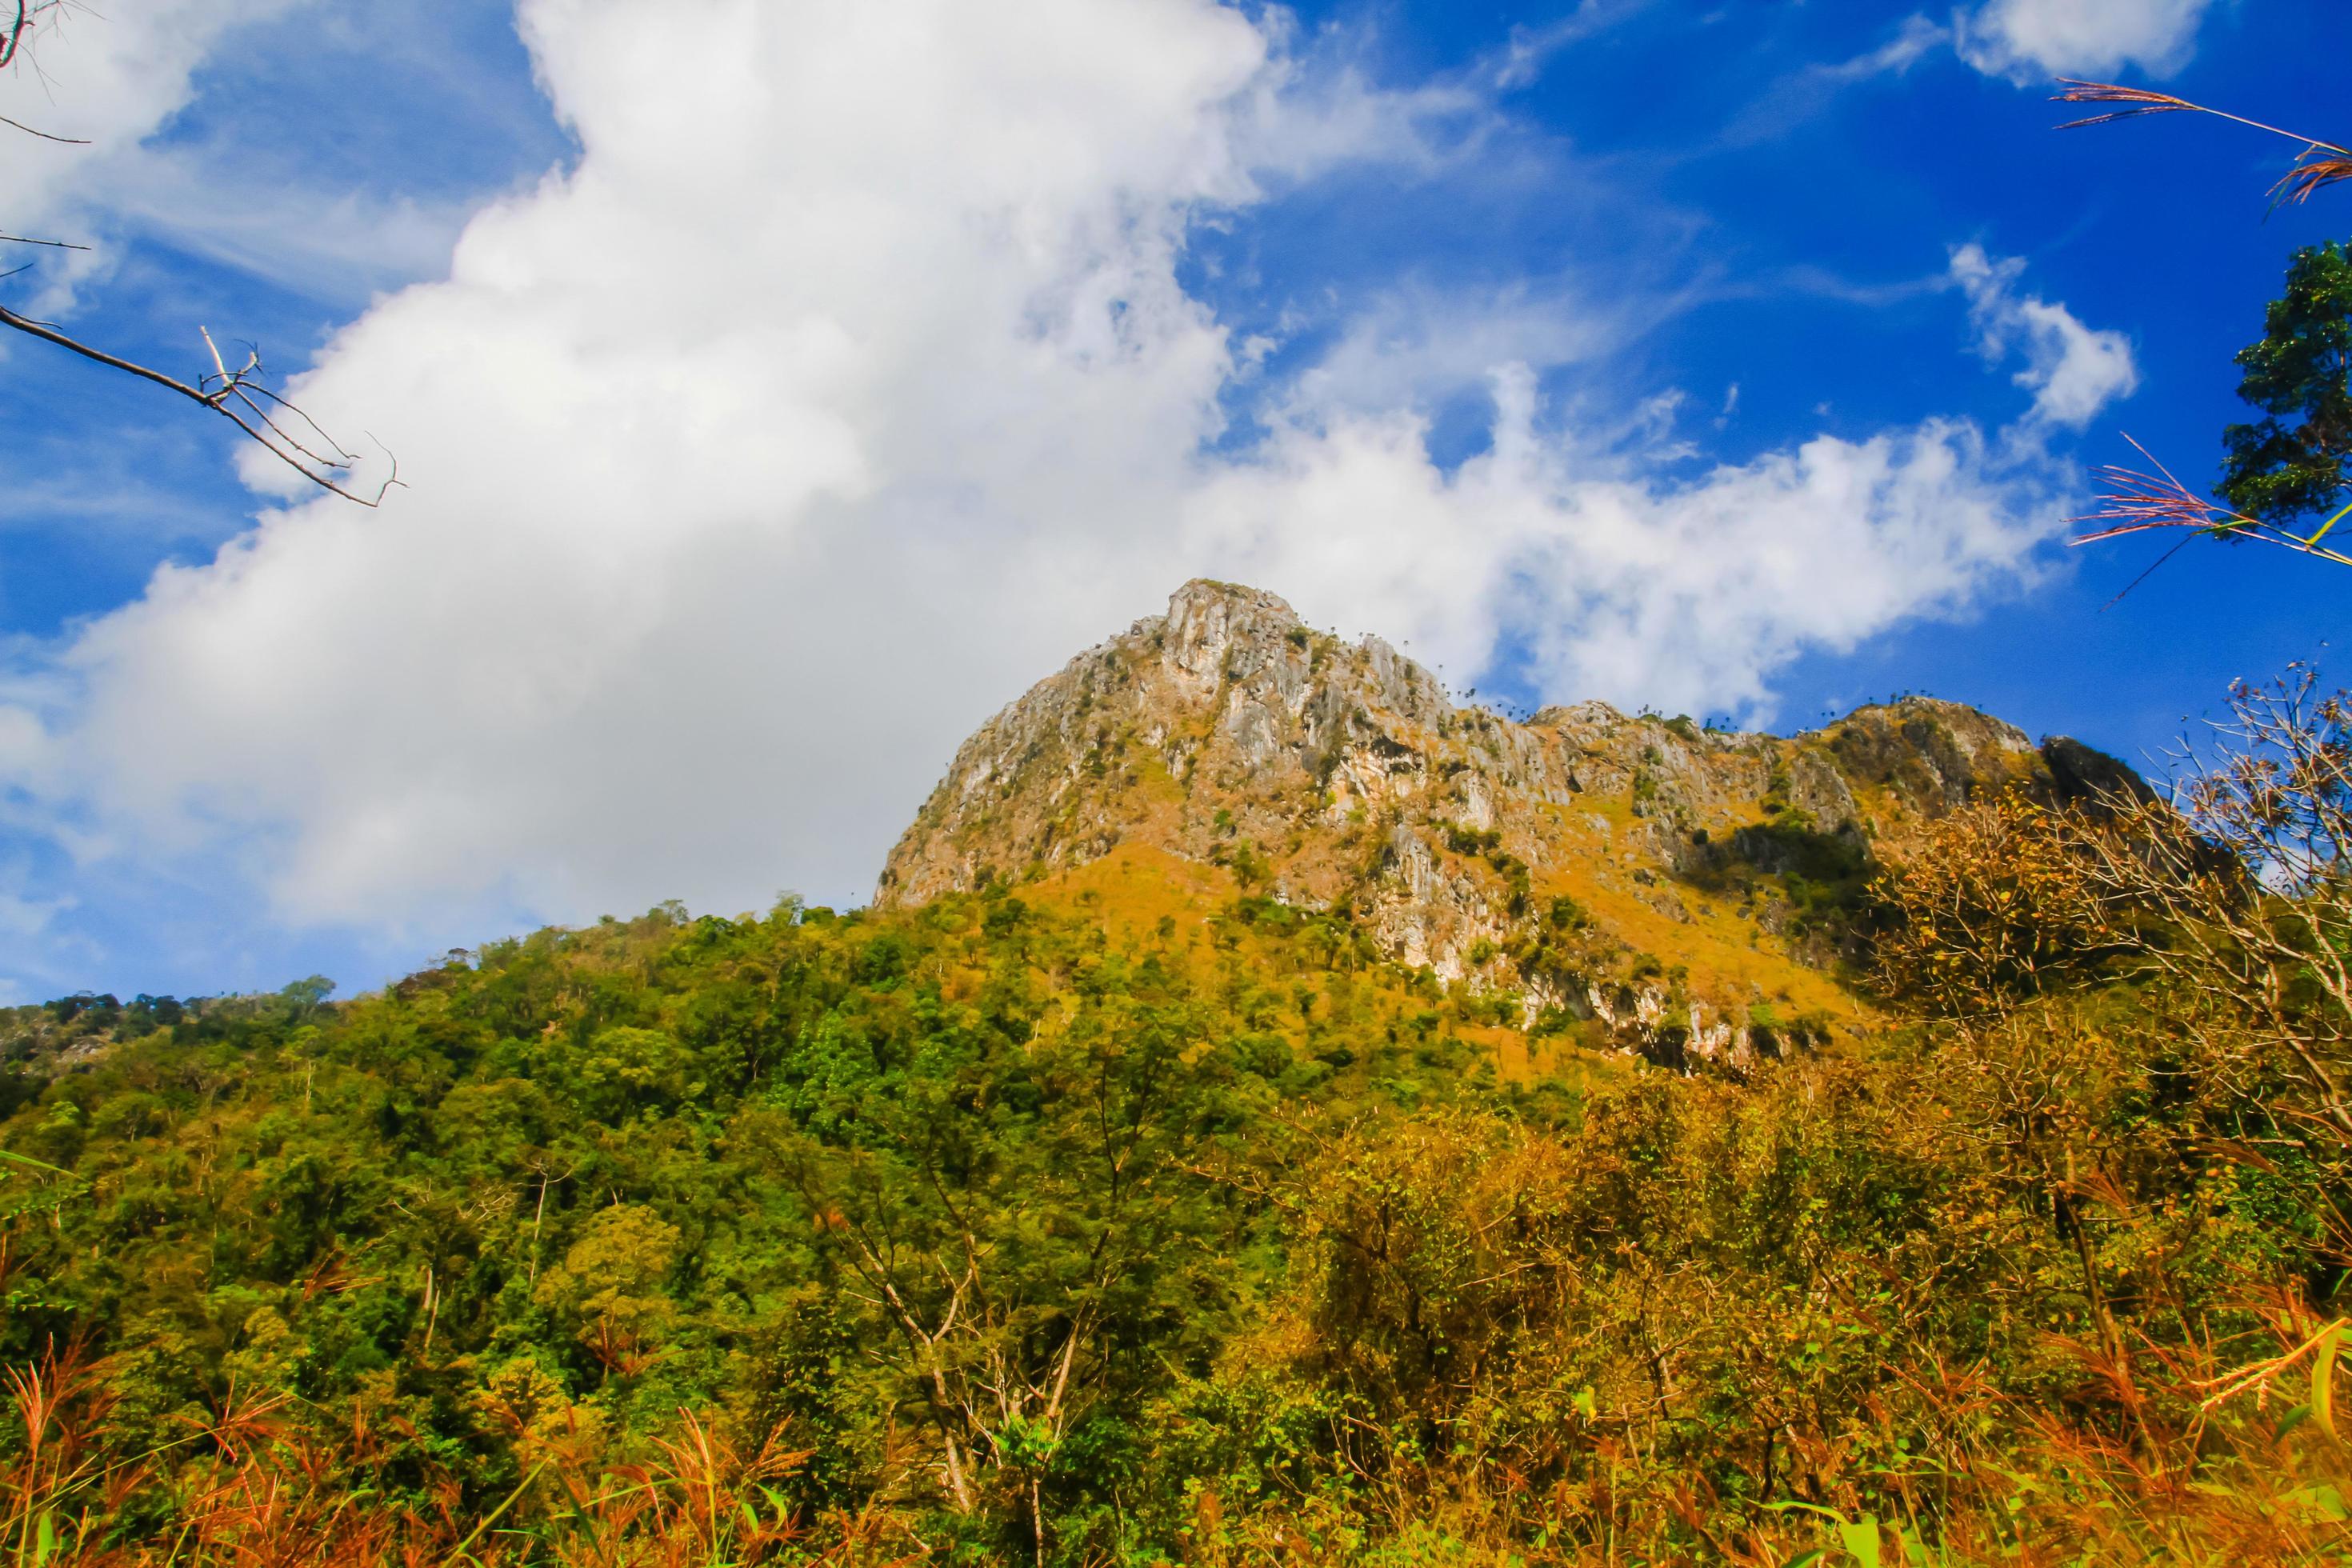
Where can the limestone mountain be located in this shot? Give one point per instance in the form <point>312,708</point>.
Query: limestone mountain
<point>1681,889</point>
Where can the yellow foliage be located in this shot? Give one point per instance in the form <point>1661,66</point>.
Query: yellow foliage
<point>1996,901</point>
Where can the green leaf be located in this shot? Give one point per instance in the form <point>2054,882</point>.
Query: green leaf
<point>1859,1538</point>
<point>2319,1499</point>
<point>2321,532</point>
<point>2323,1376</point>
<point>31,1163</point>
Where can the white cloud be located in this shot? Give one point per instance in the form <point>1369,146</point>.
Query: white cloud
<point>1688,595</point>
<point>2072,370</point>
<point>846,386</point>
<point>2028,39</point>
<point>259,176</point>
<point>1417,345</point>
<point>25,915</point>
<point>1312,107</point>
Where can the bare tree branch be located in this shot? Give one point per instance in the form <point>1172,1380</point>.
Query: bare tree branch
<point>240,395</point>
<point>20,125</point>
<point>239,386</point>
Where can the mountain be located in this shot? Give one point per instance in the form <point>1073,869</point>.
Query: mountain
<point>1097,1200</point>
<point>1687,891</point>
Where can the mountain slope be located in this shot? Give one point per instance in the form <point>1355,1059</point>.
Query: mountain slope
<point>1684,888</point>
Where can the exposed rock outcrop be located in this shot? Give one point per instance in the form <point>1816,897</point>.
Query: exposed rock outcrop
<point>1559,857</point>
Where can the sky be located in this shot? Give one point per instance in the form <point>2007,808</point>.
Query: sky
<point>778,389</point>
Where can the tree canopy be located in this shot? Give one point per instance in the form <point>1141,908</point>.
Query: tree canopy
<point>1022,1228</point>
<point>2290,463</point>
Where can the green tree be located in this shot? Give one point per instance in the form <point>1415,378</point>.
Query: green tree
<point>612,1281</point>
<point>2292,464</point>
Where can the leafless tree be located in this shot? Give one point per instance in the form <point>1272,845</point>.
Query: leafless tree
<point>240,394</point>
<point>2249,869</point>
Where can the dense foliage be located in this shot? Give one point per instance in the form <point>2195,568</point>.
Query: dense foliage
<point>980,1232</point>
<point>2291,463</point>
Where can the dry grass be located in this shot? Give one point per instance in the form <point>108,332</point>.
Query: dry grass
<point>2137,503</point>
<point>259,1482</point>
<point>2321,164</point>
<point>1135,885</point>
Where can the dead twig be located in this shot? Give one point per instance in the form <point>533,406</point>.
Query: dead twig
<point>67,141</point>
<point>238,397</point>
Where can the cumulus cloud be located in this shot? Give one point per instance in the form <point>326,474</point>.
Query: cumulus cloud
<point>1685,593</point>
<point>2031,39</point>
<point>846,385</point>
<point>2072,370</point>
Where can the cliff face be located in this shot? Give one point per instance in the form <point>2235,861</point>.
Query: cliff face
<point>1590,861</point>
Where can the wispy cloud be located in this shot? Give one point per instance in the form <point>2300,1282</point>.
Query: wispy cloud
<point>334,246</point>
<point>108,86</point>
<point>1807,92</point>
<point>1813,280</point>
<point>122,502</point>
<point>2073,370</point>
<point>1418,344</point>
<point>1522,59</point>
<point>330,149</point>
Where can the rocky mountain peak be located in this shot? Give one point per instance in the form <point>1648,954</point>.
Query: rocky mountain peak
<point>1586,860</point>
<point>1208,620</point>
<point>1219,633</point>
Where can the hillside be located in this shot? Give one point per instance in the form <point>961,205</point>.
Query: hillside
<point>1271,1115</point>
<point>1684,887</point>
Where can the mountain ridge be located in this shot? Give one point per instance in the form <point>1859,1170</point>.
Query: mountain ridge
<point>1608,867</point>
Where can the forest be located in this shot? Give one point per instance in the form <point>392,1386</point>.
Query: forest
<point>1001,1230</point>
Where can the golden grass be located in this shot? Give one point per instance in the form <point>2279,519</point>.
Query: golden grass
<point>1131,889</point>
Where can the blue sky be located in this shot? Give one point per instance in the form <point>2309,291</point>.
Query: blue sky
<point>811,378</point>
